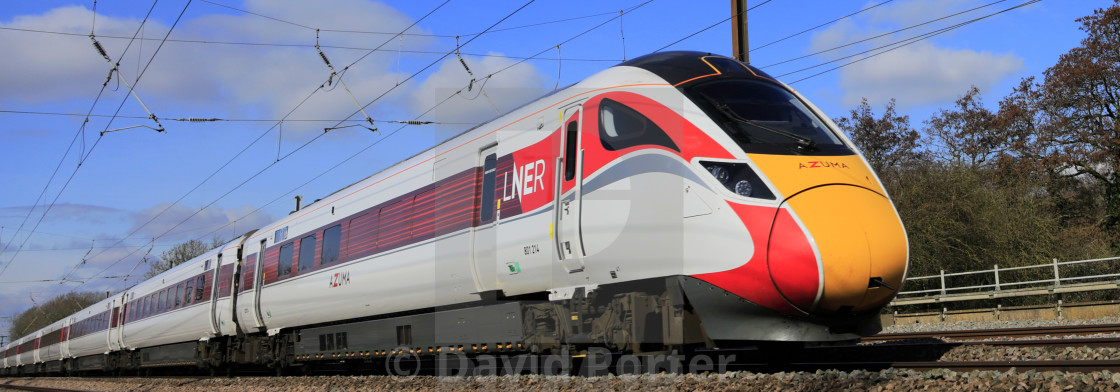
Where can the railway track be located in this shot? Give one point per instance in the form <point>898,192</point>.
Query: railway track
<point>962,366</point>
<point>11,387</point>
<point>1068,330</point>
<point>914,351</point>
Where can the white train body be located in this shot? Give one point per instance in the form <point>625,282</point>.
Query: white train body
<point>651,182</point>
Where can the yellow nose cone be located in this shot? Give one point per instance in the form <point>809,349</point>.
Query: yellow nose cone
<point>861,242</point>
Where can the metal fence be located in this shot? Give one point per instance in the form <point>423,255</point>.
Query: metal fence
<point>1048,278</point>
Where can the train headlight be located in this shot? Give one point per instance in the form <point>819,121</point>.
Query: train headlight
<point>743,188</point>
<point>720,173</point>
<point>739,178</point>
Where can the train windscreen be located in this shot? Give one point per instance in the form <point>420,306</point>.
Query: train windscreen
<point>765,118</point>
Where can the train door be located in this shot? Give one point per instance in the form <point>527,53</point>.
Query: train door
<point>114,323</point>
<point>485,260</point>
<point>570,192</point>
<point>214,296</point>
<point>65,339</point>
<point>258,272</point>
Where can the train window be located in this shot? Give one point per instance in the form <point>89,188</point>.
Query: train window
<point>765,118</point>
<point>572,147</point>
<point>198,287</point>
<point>332,242</point>
<point>189,292</point>
<point>284,265</point>
<point>622,127</point>
<point>489,169</point>
<point>206,266</point>
<point>361,235</point>
<point>307,252</point>
<point>168,302</point>
<point>159,302</point>
<point>178,295</point>
<point>395,224</point>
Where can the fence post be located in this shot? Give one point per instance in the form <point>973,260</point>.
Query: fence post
<point>997,276</point>
<point>942,283</point>
<point>1057,279</point>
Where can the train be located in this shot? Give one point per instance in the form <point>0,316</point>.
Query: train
<point>676,201</point>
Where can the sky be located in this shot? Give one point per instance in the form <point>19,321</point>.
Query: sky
<point>86,203</point>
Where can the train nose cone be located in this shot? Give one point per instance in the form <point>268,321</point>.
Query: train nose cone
<point>854,256</point>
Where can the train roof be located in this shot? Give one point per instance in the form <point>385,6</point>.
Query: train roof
<point>678,67</point>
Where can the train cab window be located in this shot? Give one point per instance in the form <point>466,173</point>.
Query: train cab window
<point>622,127</point>
<point>332,243</point>
<point>571,148</point>
<point>763,117</point>
<point>489,170</point>
<point>198,287</point>
<point>284,265</point>
<point>307,253</point>
<point>178,295</point>
<point>189,292</point>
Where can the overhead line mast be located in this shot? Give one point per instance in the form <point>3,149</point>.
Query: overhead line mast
<point>739,30</point>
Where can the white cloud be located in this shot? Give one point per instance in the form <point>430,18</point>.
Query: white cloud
<point>506,90</point>
<point>181,222</point>
<point>924,72</point>
<point>835,35</point>
<point>908,13</point>
<point>39,67</point>
<point>215,79</point>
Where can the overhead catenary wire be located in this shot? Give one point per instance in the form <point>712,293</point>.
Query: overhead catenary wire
<point>388,135</point>
<point>334,74</point>
<point>522,61</point>
<point>572,38</point>
<point>81,158</point>
<point>214,119</point>
<point>391,89</point>
<point>902,43</point>
<point>297,45</point>
<point>280,158</point>
<point>277,124</point>
<point>724,20</point>
<point>406,34</point>
<point>33,281</point>
<point>135,82</point>
<point>250,178</point>
<point>819,26</point>
<point>884,34</point>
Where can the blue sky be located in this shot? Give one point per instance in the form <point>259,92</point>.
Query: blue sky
<point>138,192</point>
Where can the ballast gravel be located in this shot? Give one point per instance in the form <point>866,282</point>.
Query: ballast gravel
<point>830,380</point>
<point>826,380</point>
<point>972,325</point>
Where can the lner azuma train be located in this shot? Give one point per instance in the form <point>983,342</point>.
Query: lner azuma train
<point>677,200</point>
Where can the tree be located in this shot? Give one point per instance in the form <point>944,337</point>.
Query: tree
<point>1079,110</point>
<point>180,253</point>
<point>887,141</point>
<point>39,316</point>
<point>966,134</point>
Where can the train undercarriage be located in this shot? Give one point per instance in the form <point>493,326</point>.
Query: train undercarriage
<point>654,318</point>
